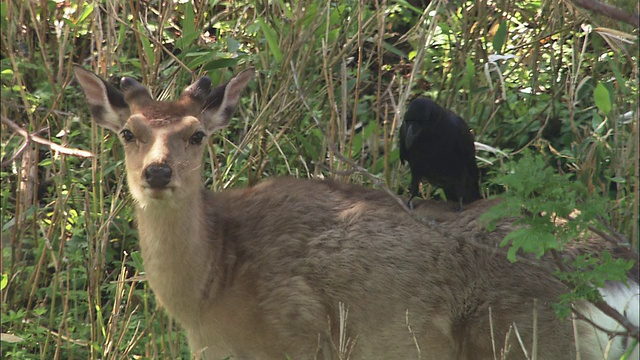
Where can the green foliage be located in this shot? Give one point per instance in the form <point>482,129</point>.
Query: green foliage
<point>590,272</point>
<point>539,198</point>
<point>550,211</point>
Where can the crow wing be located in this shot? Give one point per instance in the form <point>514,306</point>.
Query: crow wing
<point>401,136</point>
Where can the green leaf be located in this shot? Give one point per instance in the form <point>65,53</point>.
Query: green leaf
<point>203,58</point>
<point>500,37</point>
<point>137,261</point>
<point>189,33</point>
<point>469,72</point>
<point>602,98</point>
<point>146,45</point>
<point>87,9</point>
<point>221,63</point>
<point>617,179</point>
<point>5,281</point>
<point>188,25</point>
<point>233,45</point>
<point>272,40</point>
<point>394,49</point>
<point>616,71</point>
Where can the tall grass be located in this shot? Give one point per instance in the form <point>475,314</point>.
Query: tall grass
<point>334,78</point>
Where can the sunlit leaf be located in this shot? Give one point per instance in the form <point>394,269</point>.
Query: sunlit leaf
<point>602,99</point>
<point>500,37</point>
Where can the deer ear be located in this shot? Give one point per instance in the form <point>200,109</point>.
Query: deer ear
<point>222,101</point>
<point>134,93</point>
<point>198,91</point>
<point>108,106</point>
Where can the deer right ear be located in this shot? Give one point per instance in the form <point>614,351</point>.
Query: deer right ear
<point>108,106</point>
<point>222,101</point>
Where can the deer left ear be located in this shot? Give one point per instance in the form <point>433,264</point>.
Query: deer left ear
<point>222,101</point>
<point>108,106</point>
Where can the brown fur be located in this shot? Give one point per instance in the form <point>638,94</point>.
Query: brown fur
<point>261,272</point>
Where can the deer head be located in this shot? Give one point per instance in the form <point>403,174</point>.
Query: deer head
<point>163,140</point>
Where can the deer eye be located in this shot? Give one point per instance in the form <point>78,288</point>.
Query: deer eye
<point>196,138</point>
<point>127,135</point>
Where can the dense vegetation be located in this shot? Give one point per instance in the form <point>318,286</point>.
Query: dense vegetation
<point>553,86</point>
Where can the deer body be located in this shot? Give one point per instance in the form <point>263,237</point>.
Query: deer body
<point>261,273</point>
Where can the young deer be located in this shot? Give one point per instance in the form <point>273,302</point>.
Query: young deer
<point>305,269</point>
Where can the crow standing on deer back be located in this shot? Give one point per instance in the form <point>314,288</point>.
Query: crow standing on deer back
<point>438,146</point>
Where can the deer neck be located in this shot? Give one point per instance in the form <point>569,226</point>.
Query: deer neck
<point>177,254</point>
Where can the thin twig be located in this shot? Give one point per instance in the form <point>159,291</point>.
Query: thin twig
<point>15,155</point>
<point>632,330</point>
<point>611,334</point>
<point>377,181</point>
<point>610,11</point>
<point>37,139</point>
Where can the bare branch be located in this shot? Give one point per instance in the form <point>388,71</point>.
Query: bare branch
<point>37,139</point>
<point>632,330</point>
<point>610,11</point>
<point>585,318</point>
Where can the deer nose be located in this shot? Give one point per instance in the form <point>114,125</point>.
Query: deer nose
<point>158,175</point>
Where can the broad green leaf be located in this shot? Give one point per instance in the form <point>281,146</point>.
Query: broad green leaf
<point>87,9</point>
<point>188,25</point>
<point>203,58</point>
<point>500,37</point>
<point>233,45</point>
<point>408,5</point>
<point>146,45</point>
<point>189,33</point>
<point>394,49</point>
<point>617,179</point>
<point>597,123</point>
<point>221,63</point>
<point>602,99</point>
<point>619,78</point>
<point>272,40</point>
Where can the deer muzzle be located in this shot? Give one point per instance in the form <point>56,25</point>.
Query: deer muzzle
<point>158,175</point>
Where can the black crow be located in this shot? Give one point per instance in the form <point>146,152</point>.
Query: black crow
<point>438,146</point>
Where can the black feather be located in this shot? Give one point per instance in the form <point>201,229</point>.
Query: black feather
<point>438,146</point>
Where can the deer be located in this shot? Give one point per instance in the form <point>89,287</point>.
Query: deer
<point>320,269</point>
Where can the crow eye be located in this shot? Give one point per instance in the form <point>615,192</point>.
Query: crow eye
<point>127,135</point>
<point>196,138</point>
